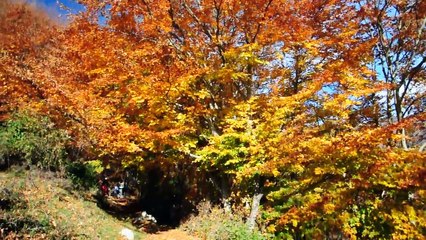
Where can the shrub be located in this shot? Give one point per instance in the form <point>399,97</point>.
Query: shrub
<point>32,139</point>
<point>10,200</point>
<point>214,224</point>
<point>19,225</point>
<point>82,175</point>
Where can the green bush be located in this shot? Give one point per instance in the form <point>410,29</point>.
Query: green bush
<point>32,139</point>
<point>82,175</point>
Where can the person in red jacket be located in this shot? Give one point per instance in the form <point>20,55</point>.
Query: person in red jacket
<point>104,187</point>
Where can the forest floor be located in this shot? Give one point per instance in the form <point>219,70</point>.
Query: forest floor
<point>49,201</point>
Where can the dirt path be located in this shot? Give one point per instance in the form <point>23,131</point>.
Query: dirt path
<point>174,234</point>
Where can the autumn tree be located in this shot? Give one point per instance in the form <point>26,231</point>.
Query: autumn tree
<point>26,34</point>
<point>270,100</point>
<point>398,29</point>
<point>279,104</point>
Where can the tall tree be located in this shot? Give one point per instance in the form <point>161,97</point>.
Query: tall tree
<point>399,27</point>
<point>26,36</point>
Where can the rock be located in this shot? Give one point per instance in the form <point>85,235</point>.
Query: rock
<point>127,234</point>
<point>147,217</point>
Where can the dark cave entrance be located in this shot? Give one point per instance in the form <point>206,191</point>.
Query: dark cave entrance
<point>163,197</point>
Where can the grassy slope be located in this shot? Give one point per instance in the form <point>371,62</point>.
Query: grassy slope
<point>48,200</point>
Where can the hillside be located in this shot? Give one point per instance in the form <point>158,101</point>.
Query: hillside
<point>38,205</point>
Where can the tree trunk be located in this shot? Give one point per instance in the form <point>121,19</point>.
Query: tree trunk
<point>222,185</point>
<point>226,196</point>
<point>404,139</point>
<point>422,147</point>
<point>398,111</point>
<point>251,220</point>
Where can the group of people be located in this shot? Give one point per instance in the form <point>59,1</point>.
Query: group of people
<point>117,190</point>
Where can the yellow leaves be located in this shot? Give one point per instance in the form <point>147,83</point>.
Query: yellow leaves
<point>246,54</point>
<point>312,46</point>
<point>181,117</point>
<point>329,208</point>
<point>202,94</point>
<point>347,228</point>
<point>344,217</point>
<point>279,55</point>
<point>318,171</point>
<point>102,113</point>
<point>96,165</point>
<point>97,71</point>
<point>405,225</point>
<point>297,168</point>
<point>132,148</point>
<point>387,184</point>
<point>275,173</point>
<point>271,228</point>
<point>411,212</point>
<point>138,99</point>
<point>239,75</point>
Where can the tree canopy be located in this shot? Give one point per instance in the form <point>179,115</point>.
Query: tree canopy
<point>313,109</point>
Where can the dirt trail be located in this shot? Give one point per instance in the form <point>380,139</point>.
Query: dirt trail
<point>174,234</point>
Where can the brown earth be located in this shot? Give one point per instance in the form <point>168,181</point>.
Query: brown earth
<point>174,234</point>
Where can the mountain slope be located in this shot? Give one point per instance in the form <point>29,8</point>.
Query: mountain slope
<point>38,205</point>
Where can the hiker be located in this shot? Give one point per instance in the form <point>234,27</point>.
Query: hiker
<point>115,191</point>
<point>120,189</point>
<point>104,187</point>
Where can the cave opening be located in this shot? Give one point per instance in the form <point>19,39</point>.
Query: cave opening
<point>164,197</point>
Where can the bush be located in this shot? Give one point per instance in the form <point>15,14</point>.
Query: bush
<point>20,225</point>
<point>10,200</point>
<point>82,175</point>
<point>32,139</point>
<point>214,224</point>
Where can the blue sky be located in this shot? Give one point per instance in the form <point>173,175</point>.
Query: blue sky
<point>52,6</point>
